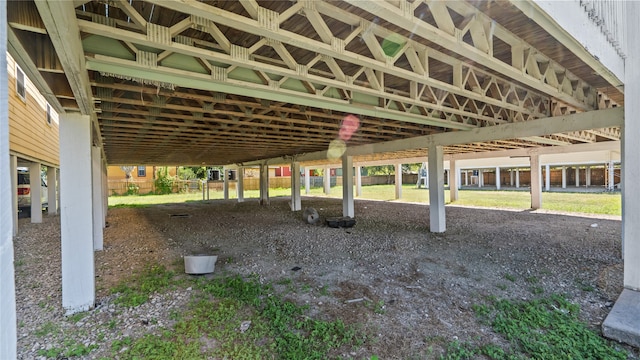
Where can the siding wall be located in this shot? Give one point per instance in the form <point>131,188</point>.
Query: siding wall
<point>30,136</point>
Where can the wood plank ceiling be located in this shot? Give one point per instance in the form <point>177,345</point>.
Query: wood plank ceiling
<point>222,82</point>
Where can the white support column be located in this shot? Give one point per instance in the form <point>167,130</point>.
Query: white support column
<point>398,181</point>
<point>105,194</point>
<point>510,177</point>
<point>296,202</point>
<point>454,180</point>
<point>466,178</point>
<point>437,219</point>
<point>536,182</point>
<point>517,178</point>
<point>577,176</point>
<point>623,321</point>
<point>8,334</point>
<point>96,197</point>
<point>240,184</point>
<point>587,174</point>
<point>480,178</point>
<point>564,177</point>
<point>225,183</point>
<point>76,223</point>
<point>547,177</point>
<point>52,196</point>
<point>612,179</point>
<point>13,169</point>
<point>307,180</point>
<point>326,177</point>
<point>359,181</point>
<point>497,178</point>
<point>264,184</point>
<point>348,208</point>
<point>59,198</point>
<point>36,190</point>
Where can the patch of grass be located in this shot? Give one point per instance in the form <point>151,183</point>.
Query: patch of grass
<point>126,205</point>
<point>546,328</point>
<point>324,290</point>
<point>591,203</point>
<point>18,263</point>
<point>71,349</point>
<point>584,285</point>
<point>244,319</point>
<point>531,280</point>
<point>135,291</point>
<point>47,328</point>
<point>537,290</point>
<point>77,317</point>
<point>502,286</point>
<point>510,277</point>
<point>378,307</point>
<point>285,281</point>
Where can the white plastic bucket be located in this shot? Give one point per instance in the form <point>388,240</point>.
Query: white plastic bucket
<point>199,264</point>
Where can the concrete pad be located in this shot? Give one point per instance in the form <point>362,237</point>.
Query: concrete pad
<point>623,322</point>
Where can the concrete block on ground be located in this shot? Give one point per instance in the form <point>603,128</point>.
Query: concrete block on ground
<point>623,322</point>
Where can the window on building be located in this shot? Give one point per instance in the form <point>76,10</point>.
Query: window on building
<point>142,171</point>
<point>20,86</point>
<point>48,114</point>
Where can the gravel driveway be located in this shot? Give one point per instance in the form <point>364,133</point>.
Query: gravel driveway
<point>427,282</point>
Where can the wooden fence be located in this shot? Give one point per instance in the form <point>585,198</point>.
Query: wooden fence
<point>122,187</point>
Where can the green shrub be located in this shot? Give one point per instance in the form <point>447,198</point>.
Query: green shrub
<point>163,182</point>
<point>132,189</point>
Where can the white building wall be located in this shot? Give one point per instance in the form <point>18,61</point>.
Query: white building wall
<point>574,19</point>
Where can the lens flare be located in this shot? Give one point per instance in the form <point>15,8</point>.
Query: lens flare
<point>349,126</point>
<point>337,147</point>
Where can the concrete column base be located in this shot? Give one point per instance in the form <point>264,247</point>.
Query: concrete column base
<point>623,322</point>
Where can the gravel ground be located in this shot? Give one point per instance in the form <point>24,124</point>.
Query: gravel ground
<point>427,282</point>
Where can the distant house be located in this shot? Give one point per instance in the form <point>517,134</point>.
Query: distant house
<point>33,138</point>
<point>139,177</point>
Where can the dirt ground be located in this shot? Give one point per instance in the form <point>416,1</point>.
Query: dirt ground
<point>425,283</point>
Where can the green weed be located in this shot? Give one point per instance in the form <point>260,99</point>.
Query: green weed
<point>77,317</point>
<point>47,329</point>
<point>546,328</point>
<point>136,291</point>
<point>584,285</point>
<point>510,277</point>
<point>537,290</point>
<point>324,291</point>
<point>245,320</point>
<point>71,349</point>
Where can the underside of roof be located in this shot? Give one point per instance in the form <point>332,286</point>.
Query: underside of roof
<point>228,82</point>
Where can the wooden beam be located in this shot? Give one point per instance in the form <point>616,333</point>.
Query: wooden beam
<point>575,122</point>
<point>132,13</point>
<point>200,81</point>
<point>60,19</point>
